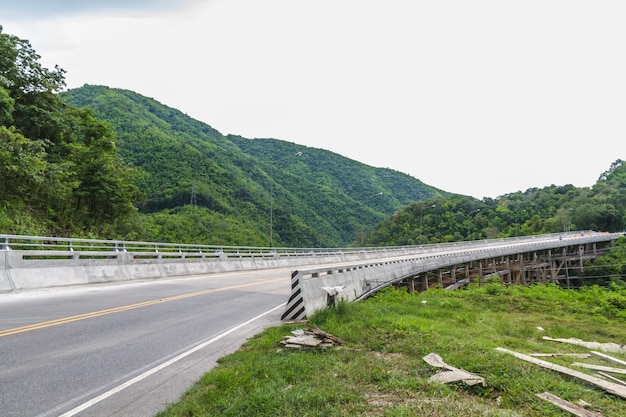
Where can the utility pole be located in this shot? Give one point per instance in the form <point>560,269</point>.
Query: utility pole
<point>275,166</point>
<point>363,220</point>
<point>194,201</point>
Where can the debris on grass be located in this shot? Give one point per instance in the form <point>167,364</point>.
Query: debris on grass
<point>312,337</point>
<point>450,373</point>
<point>600,368</point>
<point>609,358</point>
<point>556,355</point>
<point>568,406</point>
<point>605,347</point>
<point>612,378</point>
<point>610,387</point>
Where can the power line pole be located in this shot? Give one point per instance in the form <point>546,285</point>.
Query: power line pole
<point>194,201</point>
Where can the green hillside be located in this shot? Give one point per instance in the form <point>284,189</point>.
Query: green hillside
<point>552,209</point>
<point>319,198</point>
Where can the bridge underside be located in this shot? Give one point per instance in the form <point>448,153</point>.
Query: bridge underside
<point>560,267</point>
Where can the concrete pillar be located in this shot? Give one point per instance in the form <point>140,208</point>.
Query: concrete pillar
<point>508,267</point>
<point>5,281</point>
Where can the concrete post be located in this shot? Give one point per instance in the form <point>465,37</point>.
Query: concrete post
<point>5,282</point>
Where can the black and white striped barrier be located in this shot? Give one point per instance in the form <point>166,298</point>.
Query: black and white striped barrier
<point>295,305</point>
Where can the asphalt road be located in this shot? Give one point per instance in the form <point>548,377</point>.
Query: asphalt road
<point>127,349</point>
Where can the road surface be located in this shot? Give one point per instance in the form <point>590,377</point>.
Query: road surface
<point>127,349</point>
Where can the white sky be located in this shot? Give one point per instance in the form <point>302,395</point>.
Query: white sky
<point>480,98</point>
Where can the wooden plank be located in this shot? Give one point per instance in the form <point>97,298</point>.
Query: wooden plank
<point>458,284</point>
<point>612,378</point>
<point>606,347</point>
<point>609,358</point>
<point>568,406</point>
<point>608,386</point>
<point>305,340</point>
<point>600,368</point>
<point>555,355</point>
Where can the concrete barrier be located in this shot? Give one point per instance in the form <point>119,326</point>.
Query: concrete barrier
<point>32,269</point>
<point>315,289</point>
<point>5,282</point>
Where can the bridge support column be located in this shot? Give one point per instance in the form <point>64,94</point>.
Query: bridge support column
<point>551,265</point>
<point>508,267</point>
<point>566,266</point>
<point>537,275</point>
<point>410,285</point>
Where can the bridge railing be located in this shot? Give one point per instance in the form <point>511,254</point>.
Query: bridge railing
<point>40,243</point>
<point>35,261</point>
<point>22,242</point>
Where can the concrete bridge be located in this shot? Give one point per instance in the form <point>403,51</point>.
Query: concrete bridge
<point>521,260</point>
<point>320,276</point>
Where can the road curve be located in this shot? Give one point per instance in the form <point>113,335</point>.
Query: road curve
<point>126,349</point>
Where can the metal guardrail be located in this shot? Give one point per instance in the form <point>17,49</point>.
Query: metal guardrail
<point>40,248</point>
<point>38,261</point>
<point>39,243</point>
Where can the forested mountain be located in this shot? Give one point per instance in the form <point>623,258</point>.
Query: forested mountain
<point>318,198</point>
<point>551,209</point>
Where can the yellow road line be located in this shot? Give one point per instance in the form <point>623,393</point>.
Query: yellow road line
<point>99,313</point>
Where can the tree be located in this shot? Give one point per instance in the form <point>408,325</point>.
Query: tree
<point>58,163</point>
<point>22,165</point>
<point>32,89</point>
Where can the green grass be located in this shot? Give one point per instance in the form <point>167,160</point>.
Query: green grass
<point>379,370</point>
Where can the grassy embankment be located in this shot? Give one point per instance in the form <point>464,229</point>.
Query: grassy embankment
<point>379,370</point>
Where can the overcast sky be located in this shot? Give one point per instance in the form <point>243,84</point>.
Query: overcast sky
<point>479,98</point>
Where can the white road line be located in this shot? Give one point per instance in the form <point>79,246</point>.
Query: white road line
<point>156,369</point>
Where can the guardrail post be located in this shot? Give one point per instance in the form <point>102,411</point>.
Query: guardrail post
<point>5,245</point>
